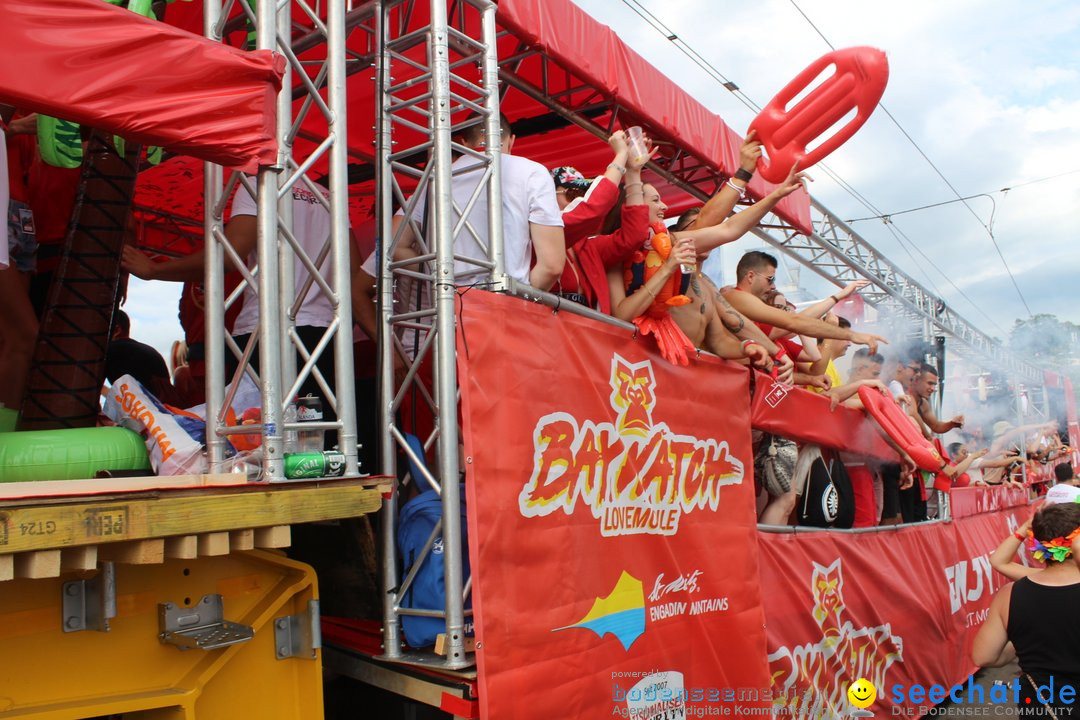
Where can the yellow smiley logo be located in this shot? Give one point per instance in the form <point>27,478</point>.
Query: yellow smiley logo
<point>862,693</point>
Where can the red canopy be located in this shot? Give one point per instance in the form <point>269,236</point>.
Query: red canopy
<point>550,49</point>
<point>104,66</point>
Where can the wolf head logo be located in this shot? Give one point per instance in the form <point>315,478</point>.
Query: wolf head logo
<point>632,396</point>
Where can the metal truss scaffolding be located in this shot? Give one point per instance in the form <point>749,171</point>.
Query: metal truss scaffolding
<point>321,86</point>
<point>432,81</point>
<point>834,251</point>
<point>428,78</point>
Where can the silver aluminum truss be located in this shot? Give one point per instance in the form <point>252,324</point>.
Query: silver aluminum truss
<point>322,85</point>
<point>428,79</point>
<point>834,251</point>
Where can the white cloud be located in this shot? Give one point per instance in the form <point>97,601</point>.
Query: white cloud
<point>987,90</point>
<point>152,307</point>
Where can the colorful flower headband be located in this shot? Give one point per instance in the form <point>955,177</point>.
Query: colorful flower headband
<point>1059,548</point>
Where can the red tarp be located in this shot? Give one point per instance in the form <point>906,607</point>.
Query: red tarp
<point>611,520</point>
<point>595,53</point>
<point>897,607</point>
<point>584,48</point>
<point>104,66</point>
<point>806,417</point>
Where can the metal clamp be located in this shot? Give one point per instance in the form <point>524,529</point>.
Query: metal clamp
<point>90,604</point>
<point>203,626</point>
<point>298,635</point>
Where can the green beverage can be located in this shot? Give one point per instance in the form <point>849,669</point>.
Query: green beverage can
<point>300,466</point>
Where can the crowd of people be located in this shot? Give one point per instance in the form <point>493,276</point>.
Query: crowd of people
<point>606,244</point>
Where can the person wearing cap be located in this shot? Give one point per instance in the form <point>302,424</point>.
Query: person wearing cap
<point>584,206</point>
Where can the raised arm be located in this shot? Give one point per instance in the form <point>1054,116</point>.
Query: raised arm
<point>720,205</point>
<point>758,311</point>
<point>708,237</point>
<point>823,306</point>
<point>241,231</point>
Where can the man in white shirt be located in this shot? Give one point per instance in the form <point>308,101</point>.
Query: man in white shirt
<point>311,228</point>
<point>532,222</point>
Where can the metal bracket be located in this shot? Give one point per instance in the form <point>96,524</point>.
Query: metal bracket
<point>90,604</point>
<point>202,626</point>
<point>298,635</point>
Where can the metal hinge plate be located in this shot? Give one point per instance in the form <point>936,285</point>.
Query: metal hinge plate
<point>90,604</point>
<point>298,635</point>
<point>201,627</point>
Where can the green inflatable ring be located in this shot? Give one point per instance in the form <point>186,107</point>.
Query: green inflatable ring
<point>69,454</point>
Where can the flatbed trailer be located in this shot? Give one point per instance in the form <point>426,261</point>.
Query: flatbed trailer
<point>165,603</point>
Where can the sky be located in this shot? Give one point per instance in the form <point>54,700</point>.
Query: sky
<point>988,91</point>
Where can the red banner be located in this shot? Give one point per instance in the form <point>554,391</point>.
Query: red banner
<point>611,521</point>
<point>897,607</point>
<point>977,499</point>
<point>784,410</point>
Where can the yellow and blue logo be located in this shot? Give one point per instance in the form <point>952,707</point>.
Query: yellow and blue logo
<point>621,613</point>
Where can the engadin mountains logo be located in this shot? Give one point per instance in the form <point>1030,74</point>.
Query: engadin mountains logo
<point>636,476</point>
<point>621,613</point>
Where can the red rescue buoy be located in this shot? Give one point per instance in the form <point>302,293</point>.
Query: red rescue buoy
<point>897,425</point>
<point>861,74</point>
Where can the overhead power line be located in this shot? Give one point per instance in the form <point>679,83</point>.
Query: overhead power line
<point>985,226</point>
<point>901,238</point>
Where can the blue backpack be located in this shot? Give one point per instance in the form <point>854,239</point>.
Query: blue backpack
<point>415,523</point>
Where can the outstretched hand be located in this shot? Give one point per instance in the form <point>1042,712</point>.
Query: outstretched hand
<point>868,339</point>
<point>852,287</point>
<point>638,163</point>
<point>750,152</point>
<point>137,263</point>
<point>794,181</point>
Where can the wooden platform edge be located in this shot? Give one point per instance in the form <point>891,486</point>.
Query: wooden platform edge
<point>118,519</point>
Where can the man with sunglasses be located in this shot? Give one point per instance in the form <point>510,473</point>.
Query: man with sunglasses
<point>907,367</point>
<point>755,277</point>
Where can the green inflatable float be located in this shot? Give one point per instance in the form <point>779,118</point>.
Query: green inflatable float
<point>69,454</point>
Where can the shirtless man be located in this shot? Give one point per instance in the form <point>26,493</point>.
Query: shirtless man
<point>756,276</point>
<point>923,388</point>
<point>686,245</point>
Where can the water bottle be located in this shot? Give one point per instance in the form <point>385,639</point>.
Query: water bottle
<point>292,437</point>
<point>309,409</point>
<point>249,464</point>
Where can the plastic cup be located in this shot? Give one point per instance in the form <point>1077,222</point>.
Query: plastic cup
<point>639,150</point>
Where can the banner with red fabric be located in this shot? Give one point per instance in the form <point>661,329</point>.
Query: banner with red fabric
<point>611,520</point>
<point>108,68</point>
<point>978,499</point>
<point>897,607</point>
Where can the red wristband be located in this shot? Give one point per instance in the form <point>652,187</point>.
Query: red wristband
<point>1019,537</point>
<point>781,353</point>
